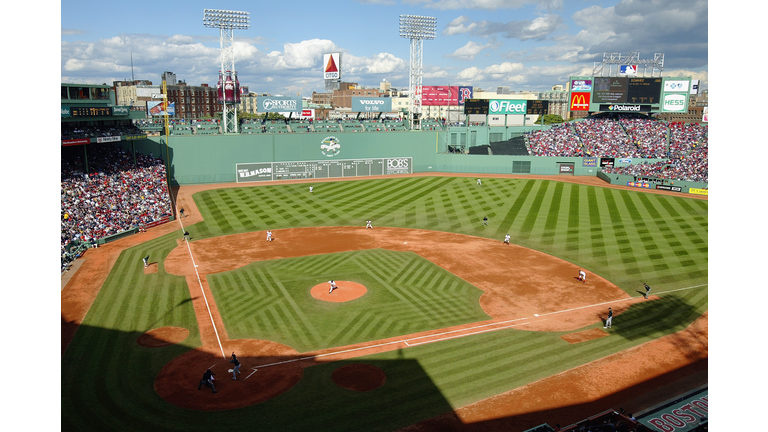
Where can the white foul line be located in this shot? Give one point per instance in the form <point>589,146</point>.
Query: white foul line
<point>405,341</point>
<point>207,306</point>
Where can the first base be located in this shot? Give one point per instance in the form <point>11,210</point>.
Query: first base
<point>230,370</point>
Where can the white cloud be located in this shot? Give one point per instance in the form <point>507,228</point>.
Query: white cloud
<point>469,51</point>
<point>482,4</point>
<point>180,39</point>
<point>70,32</point>
<point>537,29</point>
<point>382,63</point>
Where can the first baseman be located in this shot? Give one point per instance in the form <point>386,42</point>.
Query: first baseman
<point>647,289</point>
<point>269,235</point>
<point>333,286</point>
<point>609,319</point>
<point>583,276</point>
<point>506,239</point>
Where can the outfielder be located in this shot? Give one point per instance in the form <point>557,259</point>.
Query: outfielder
<point>311,189</point>
<point>269,236</point>
<point>583,276</point>
<point>368,225</point>
<point>479,182</point>
<point>609,319</point>
<point>146,261</point>
<point>485,220</point>
<point>333,286</point>
<point>236,370</point>
<point>647,289</point>
<point>506,239</point>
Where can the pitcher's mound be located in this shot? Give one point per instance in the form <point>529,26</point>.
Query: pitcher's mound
<point>345,291</point>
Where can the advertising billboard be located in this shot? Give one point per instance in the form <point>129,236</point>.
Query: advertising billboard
<point>508,107</point>
<point>332,66</point>
<point>610,90</point>
<point>121,110</point>
<point>278,104</point>
<point>580,101</point>
<point>540,107</point>
<point>675,102</point>
<point>371,104</point>
<point>705,116</point>
<point>675,86</point>
<point>628,70</point>
<point>626,108</point>
<point>157,108</point>
<point>581,85</point>
<point>445,95</point>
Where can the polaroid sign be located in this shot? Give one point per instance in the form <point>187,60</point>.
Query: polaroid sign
<point>674,103</point>
<point>512,107</point>
<point>625,108</point>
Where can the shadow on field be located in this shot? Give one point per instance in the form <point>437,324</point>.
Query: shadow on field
<point>106,371</point>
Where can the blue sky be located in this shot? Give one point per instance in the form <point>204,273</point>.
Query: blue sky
<point>522,44</point>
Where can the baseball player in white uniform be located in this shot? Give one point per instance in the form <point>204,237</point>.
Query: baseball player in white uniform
<point>609,319</point>
<point>506,239</point>
<point>479,182</point>
<point>311,189</point>
<point>269,236</point>
<point>368,225</point>
<point>333,286</point>
<point>583,276</point>
<point>146,261</point>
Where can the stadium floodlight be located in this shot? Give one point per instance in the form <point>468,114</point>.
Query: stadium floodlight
<point>417,28</point>
<point>227,21</point>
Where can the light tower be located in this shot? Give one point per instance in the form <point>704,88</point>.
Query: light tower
<point>416,28</point>
<point>228,87</point>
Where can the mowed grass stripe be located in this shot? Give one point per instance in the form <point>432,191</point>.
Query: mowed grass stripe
<point>506,224</point>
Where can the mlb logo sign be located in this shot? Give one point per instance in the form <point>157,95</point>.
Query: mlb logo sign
<point>628,69</point>
<point>332,66</point>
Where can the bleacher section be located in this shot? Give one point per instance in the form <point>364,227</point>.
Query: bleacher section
<point>251,127</point>
<point>276,126</point>
<point>352,126</point>
<point>300,126</point>
<point>480,150</point>
<point>513,146</point>
<point>431,124</point>
<point>327,126</point>
<point>207,128</point>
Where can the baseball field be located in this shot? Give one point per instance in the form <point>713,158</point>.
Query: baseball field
<point>434,318</point>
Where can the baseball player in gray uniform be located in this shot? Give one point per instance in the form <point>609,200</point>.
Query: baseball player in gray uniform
<point>609,319</point>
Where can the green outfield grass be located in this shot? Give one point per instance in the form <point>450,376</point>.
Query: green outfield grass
<point>628,237</point>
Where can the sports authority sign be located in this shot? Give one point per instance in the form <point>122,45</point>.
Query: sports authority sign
<point>332,66</point>
<point>278,104</point>
<point>269,171</point>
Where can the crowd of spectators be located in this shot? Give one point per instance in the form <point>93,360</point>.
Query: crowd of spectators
<point>77,131</point>
<point>113,196</point>
<point>681,147</point>
<point>559,140</point>
<point>650,136</point>
<point>605,138</point>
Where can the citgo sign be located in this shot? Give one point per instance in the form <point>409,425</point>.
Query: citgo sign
<point>502,106</point>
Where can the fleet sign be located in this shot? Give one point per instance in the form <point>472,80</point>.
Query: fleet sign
<point>371,104</point>
<point>674,103</point>
<point>510,107</point>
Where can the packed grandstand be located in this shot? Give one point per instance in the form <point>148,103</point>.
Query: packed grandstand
<point>113,194</point>
<point>116,193</point>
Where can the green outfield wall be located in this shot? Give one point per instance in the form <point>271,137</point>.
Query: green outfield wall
<point>200,159</point>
